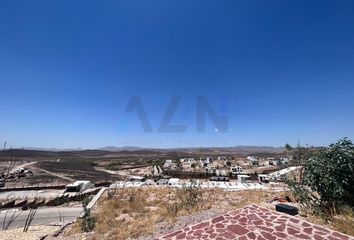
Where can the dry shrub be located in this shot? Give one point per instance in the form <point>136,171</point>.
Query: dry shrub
<point>125,215</point>
<point>190,197</point>
<point>74,229</point>
<point>344,223</point>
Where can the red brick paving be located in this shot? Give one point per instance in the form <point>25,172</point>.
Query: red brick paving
<point>254,222</point>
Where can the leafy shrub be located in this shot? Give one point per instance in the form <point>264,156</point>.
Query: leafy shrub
<point>328,179</point>
<point>86,201</point>
<point>88,221</point>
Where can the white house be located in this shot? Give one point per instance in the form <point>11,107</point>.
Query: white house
<point>235,169</point>
<point>284,161</point>
<point>79,186</point>
<point>263,178</point>
<point>242,178</point>
<point>168,163</point>
<point>187,163</point>
<point>137,179</point>
<point>173,181</point>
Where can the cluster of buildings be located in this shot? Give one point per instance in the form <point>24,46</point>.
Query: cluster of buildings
<point>224,166</point>
<point>208,164</point>
<point>279,161</point>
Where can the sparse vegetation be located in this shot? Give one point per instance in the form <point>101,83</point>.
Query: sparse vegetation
<point>132,213</point>
<point>190,197</point>
<point>29,219</point>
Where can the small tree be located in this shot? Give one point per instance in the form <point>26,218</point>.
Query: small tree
<point>328,178</point>
<point>288,147</point>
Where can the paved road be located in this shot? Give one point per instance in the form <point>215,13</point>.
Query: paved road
<point>43,216</point>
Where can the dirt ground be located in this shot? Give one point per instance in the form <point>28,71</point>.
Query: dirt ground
<point>148,212</point>
<point>33,233</point>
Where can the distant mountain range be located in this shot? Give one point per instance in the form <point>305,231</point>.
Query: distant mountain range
<point>124,148</point>
<point>236,149</point>
<point>247,149</point>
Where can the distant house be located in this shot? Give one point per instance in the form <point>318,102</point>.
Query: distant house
<point>263,178</point>
<point>162,181</point>
<point>253,160</point>
<point>219,178</point>
<point>204,162</point>
<point>222,158</point>
<point>137,179</point>
<point>236,169</point>
<point>168,164</point>
<point>211,169</point>
<point>279,162</point>
<point>79,186</point>
<point>188,163</point>
<point>284,161</point>
<point>173,181</point>
<point>242,178</point>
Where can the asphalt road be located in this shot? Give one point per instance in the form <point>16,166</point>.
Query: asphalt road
<point>43,216</point>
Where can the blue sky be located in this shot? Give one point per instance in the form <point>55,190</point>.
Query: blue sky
<point>280,71</point>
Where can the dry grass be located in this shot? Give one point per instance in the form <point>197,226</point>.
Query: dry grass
<point>74,229</point>
<point>132,213</point>
<point>135,212</point>
<point>344,222</point>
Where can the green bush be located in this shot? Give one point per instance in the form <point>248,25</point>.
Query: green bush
<point>88,221</point>
<point>328,178</point>
<point>86,201</point>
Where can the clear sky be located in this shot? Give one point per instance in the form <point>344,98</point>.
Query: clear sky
<point>279,71</point>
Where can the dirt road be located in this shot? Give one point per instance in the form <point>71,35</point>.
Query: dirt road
<point>54,174</point>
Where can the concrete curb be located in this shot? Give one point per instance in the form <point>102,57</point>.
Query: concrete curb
<point>95,198</point>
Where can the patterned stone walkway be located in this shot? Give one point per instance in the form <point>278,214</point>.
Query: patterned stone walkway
<point>254,222</point>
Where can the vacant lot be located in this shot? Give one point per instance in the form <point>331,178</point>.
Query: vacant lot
<point>147,212</point>
<point>78,169</point>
